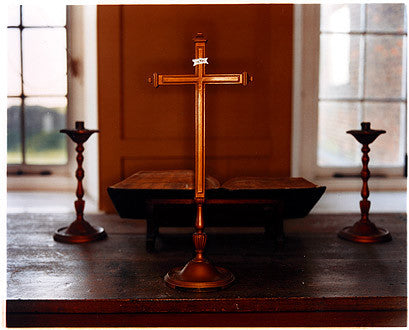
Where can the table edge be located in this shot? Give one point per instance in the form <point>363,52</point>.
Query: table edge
<point>227,305</point>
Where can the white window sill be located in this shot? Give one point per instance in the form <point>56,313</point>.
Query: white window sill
<point>348,202</point>
<point>330,202</point>
<point>387,195</point>
<point>41,183</point>
<point>355,184</point>
<point>46,202</point>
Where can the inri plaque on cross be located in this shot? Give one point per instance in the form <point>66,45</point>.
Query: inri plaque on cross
<point>199,273</point>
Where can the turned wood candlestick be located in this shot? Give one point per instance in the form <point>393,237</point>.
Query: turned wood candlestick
<point>79,231</point>
<point>364,231</point>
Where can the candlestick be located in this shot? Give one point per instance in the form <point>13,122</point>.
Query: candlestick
<point>79,231</point>
<point>364,231</point>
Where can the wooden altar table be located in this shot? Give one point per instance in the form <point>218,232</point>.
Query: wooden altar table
<point>314,279</point>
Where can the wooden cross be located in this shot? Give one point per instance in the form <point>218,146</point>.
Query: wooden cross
<point>200,79</point>
<point>199,273</point>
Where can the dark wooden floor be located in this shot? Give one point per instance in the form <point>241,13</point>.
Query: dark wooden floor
<point>314,279</point>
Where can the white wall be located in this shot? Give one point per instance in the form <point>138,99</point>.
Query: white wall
<point>83,89</point>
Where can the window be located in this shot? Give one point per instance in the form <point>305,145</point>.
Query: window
<point>351,67</point>
<point>362,78</point>
<point>72,97</point>
<point>37,87</point>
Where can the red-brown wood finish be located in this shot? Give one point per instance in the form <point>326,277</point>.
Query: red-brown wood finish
<point>364,231</point>
<point>199,273</point>
<point>314,279</point>
<point>166,198</point>
<point>79,231</point>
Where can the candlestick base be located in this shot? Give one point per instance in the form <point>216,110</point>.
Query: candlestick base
<point>365,233</point>
<point>79,232</point>
<point>199,275</point>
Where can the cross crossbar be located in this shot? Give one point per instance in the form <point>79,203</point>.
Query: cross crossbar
<point>213,79</point>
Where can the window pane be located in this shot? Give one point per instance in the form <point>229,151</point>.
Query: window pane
<point>339,66</point>
<point>13,15</point>
<point>383,70</point>
<point>383,17</point>
<point>44,61</point>
<point>341,18</point>
<point>14,152</point>
<point>47,15</point>
<point>14,65</point>
<point>44,117</point>
<point>335,147</point>
<point>388,149</point>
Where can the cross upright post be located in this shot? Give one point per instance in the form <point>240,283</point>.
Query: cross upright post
<point>199,273</point>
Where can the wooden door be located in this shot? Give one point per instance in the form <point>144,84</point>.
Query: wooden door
<point>248,129</point>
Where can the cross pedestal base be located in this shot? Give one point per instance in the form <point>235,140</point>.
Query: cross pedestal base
<point>199,275</point>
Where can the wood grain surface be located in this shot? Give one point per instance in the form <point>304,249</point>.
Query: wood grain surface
<point>259,183</point>
<point>184,180</point>
<point>314,279</point>
<point>164,180</point>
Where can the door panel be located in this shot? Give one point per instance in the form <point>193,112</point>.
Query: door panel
<point>248,129</point>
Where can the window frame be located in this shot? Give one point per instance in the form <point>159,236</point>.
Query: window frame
<point>36,169</point>
<point>306,43</point>
<point>82,105</point>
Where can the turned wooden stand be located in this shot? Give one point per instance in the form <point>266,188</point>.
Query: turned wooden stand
<point>79,231</point>
<point>364,231</point>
